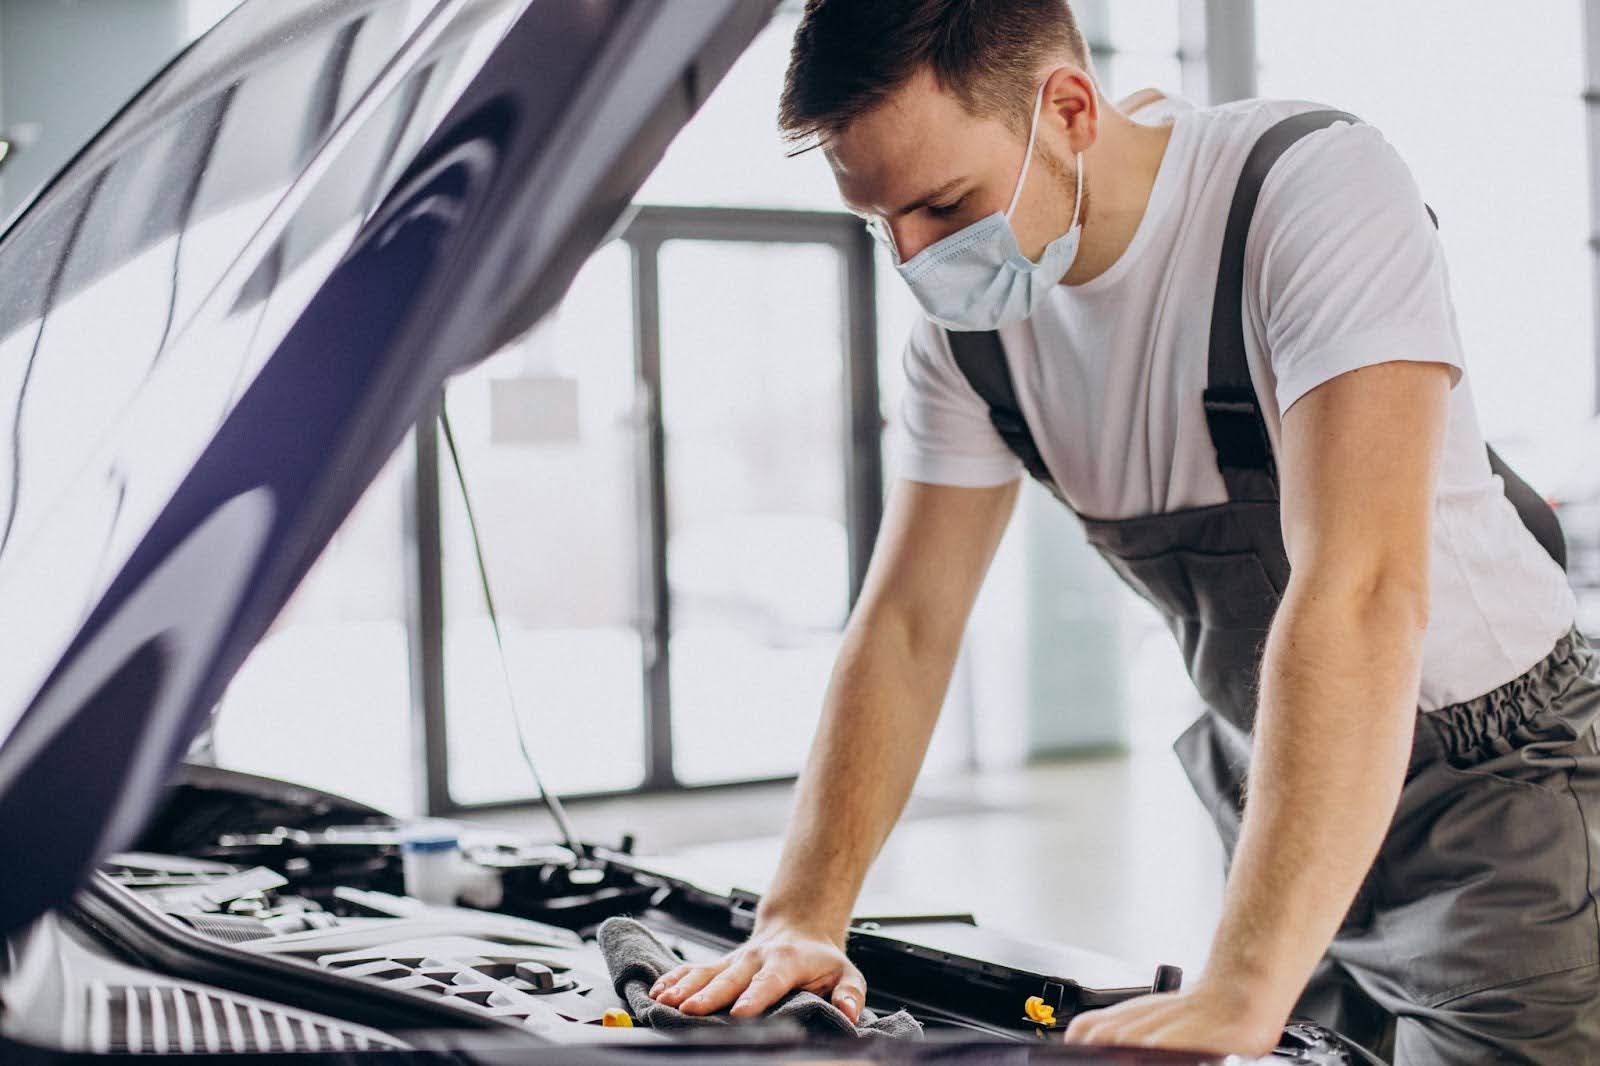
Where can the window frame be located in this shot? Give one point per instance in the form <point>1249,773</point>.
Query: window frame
<point>650,228</point>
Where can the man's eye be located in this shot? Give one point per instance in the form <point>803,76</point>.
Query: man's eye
<point>941,210</point>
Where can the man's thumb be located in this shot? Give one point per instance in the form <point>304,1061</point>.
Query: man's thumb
<point>848,996</point>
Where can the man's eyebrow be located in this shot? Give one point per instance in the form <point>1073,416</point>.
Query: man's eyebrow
<point>929,197</point>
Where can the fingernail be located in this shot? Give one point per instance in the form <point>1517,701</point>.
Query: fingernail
<point>848,1005</point>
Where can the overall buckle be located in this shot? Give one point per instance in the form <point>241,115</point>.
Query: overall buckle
<point>1238,430</point>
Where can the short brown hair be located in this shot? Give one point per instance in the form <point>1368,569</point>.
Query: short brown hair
<point>849,55</point>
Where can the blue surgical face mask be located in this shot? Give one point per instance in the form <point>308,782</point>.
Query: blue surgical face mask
<point>977,278</point>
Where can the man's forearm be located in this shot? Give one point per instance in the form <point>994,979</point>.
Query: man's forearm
<point>877,718</point>
<point>1337,714</point>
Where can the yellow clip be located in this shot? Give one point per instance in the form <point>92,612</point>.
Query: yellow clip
<point>615,1018</point>
<point>1040,1011</point>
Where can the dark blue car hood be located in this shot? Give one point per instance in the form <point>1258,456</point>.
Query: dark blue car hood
<point>183,448</point>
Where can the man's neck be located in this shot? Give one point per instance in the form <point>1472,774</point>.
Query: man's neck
<point>1119,172</point>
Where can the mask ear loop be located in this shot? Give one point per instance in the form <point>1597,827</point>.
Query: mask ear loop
<point>1077,196</point>
<point>885,236</point>
<point>1027,156</point>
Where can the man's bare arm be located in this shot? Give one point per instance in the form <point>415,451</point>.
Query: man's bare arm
<point>1358,465</point>
<point>888,683</point>
<point>1342,668</point>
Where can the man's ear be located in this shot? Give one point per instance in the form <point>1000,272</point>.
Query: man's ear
<point>1072,105</point>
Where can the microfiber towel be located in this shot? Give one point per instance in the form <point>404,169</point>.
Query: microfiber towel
<point>635,959</point>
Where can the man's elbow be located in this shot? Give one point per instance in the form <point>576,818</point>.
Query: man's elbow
<point>917,635</point>
<point>1387,600</point>
<point>1399,603</point>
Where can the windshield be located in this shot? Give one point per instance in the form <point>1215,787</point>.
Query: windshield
<point>157,272</point>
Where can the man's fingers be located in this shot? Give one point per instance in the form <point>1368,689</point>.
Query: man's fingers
<point>759,975</point>
<point>690,983</point>
<point>723,988</point>
<point>850,994</point>
<point>766,988</point>
<point>1081,1029</point>
<point>1106,1027</point>
<point>668,979</point>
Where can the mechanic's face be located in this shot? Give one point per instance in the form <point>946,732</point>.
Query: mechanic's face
<point>926,167</point>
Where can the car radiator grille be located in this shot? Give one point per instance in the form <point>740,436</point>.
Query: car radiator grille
<point>170,1019</point>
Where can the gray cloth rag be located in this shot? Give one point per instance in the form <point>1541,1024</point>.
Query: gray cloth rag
<point>635,959</point>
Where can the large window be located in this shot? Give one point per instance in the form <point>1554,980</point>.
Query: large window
<point>676,482</point>
<point>548,432</point>
<point>753,383</point>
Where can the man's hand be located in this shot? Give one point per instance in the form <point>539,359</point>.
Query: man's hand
<point>1201,1018</point>
<point>762,971</point>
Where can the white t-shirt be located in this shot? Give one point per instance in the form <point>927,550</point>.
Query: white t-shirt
<point>1343,270</point>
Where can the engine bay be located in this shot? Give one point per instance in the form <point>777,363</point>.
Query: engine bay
<point>470,964</point>
<point>263,917</point>
<point>513,969</point>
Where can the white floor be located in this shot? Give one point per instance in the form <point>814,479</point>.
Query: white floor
<point>1112,853</point>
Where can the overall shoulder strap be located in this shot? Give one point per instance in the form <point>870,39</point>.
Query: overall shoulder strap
<point>1233,413</point>
<point>1535,512</point>
<point>982,361</point>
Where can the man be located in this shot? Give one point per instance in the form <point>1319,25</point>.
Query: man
<point>1295,477</point>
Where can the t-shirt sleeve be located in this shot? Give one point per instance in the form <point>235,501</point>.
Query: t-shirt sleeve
<point>1350,270</point>
<point>943,434</point>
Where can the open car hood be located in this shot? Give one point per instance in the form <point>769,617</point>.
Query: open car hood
<point>223,316</point>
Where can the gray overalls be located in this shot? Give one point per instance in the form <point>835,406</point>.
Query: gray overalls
<point>1475,937</point>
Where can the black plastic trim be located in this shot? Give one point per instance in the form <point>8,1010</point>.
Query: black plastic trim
<point>113,914</point>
